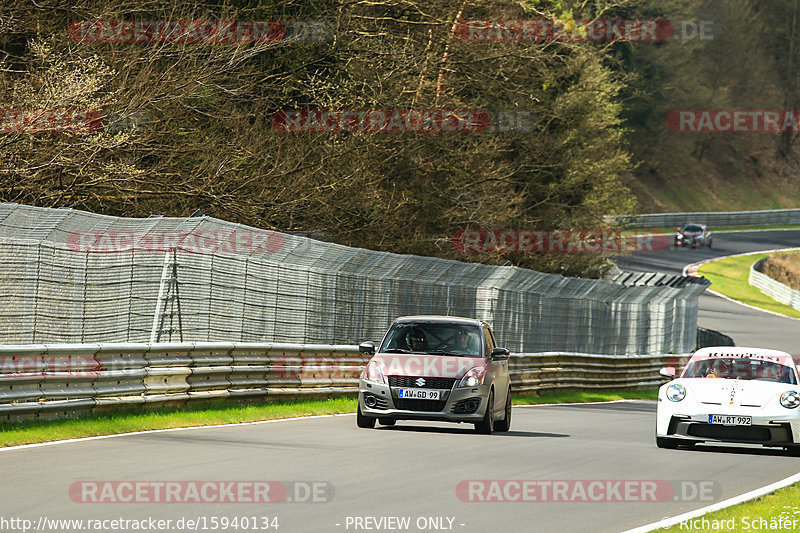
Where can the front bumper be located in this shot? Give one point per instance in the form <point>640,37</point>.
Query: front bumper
<point>765,430</point>
<point>451,408</point>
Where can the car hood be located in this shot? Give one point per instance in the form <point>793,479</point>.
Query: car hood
<point>424,365</point>
<point>749,393</point>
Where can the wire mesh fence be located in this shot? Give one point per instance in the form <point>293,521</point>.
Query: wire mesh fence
<point>69,276</point>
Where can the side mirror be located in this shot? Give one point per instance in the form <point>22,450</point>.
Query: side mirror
<point>367,347</point>
<point>668,372</point>
<point>500,354</point>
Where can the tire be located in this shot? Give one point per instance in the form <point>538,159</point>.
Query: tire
<point>664,442</point>
<point>709,244</point>
<point>366,422</point>
<point>505,423</point>
<point>793,451</point>
<point>386,421</point>
<point>485,426</point>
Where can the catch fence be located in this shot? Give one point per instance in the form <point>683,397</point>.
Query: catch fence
<point>69,276</point>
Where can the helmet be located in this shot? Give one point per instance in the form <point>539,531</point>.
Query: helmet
<point>416,339</point>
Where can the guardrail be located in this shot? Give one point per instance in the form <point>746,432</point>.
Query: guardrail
<point>772,288</point>
<point>62,380</point>
<point>714,219</point>
<point>550,371</point>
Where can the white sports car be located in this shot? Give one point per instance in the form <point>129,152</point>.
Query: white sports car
<point>731,394</point>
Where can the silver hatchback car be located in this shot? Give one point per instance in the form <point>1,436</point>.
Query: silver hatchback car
<point>436,368</point>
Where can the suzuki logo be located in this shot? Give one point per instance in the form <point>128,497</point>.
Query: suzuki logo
<point>420,382</point>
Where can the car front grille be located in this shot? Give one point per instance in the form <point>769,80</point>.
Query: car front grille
<point>419,405</point>
<point>713,431</point>
<point>764,434</point>
<point>409,382</point>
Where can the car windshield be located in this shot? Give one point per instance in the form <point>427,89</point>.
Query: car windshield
<point>692,228</point>
<point>433,338</point>
<point>740,368</point>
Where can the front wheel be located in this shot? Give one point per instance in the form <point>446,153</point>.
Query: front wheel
<point>505,423</point>
<point>486,425</point>
<point>793,451</point>
<point>362,421</point>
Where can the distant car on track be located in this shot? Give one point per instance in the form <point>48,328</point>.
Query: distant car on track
<point>436,368</point>
<point>693,235</point>
<point>731,394</point>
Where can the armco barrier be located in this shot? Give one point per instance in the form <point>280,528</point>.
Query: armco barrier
<point>714,219</point>
<point>772,288</point>
<point>60,380</point>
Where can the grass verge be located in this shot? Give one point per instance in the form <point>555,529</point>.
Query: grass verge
<point>777,508</point>
<point>583,396</point>
<point>729,277</point>
<point>220,412</point>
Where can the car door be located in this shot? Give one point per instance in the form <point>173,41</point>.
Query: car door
<point>499,369</point>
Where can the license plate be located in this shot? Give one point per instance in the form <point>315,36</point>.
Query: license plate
<point>730,420</point>
<point>418,394</point>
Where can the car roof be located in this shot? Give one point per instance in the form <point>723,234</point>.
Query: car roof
<point>440,319</point>
<point>742,351</point>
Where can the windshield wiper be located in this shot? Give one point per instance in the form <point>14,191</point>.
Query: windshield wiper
<point>442,352</point>
<point>395,350</point>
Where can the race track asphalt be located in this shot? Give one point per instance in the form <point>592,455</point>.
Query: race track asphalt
<point>416,470</point>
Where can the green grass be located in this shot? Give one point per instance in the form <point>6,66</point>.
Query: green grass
<point>729,277</point>
<point>220,412</point>
<point>781,504</point>
<point>200,414</point>
<point>582,396</point>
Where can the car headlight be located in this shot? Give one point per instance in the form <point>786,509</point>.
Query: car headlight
<point>679,236</point>
<point>473,377</point>
<point>676,392</point>
<point>374,373</point>
<point>790,399</point>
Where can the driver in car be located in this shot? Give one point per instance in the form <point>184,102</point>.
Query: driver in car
<point>719,369</point>
<point>462,345</point>
<point>417,341</point>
